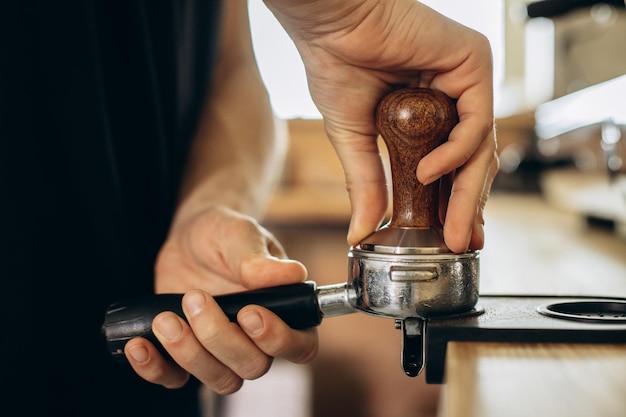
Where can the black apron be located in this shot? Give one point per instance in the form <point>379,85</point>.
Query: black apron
<point>98,103</point>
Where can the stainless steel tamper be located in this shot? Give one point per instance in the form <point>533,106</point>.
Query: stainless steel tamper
<point>402,271</point>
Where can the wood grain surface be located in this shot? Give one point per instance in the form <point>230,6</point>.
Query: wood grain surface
<point>413,122</point>
<point>500,379</point>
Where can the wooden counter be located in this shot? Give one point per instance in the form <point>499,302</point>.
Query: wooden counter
<point>533,248</point>
<point>499,379</point>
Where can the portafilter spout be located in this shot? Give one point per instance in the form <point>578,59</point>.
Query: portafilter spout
<point>403,271</point>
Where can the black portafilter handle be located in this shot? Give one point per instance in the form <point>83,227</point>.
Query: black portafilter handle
<point>296,304</point>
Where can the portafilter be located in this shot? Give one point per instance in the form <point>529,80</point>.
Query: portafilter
<point>404,270</point>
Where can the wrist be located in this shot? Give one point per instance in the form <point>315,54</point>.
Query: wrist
<point>226,188</point>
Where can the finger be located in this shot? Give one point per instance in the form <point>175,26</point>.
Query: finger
<point>369,205</point>
<point>275,338</point>
<point>225,340</point>
<point>184,348</point>
<point>265,264</point>
<point>465,199</point>
<point>365,181</point>
<point>269,272</point>
<point>445,189</point>
<point>149,364</point>
<point>254,259</point>
<point>475,124</point>
<point>478,234</point>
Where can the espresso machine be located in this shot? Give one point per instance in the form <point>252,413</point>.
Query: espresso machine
<point>404,270</point>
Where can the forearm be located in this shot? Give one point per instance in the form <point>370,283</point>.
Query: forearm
<point>236,150</point>
<point>234,156</point>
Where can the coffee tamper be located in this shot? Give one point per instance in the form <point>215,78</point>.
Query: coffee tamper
<point>402,271</point>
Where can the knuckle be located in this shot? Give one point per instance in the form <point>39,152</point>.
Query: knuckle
<point>245,225</point>
<point>466,156</point>
<point>257,369</point>
<point>210,333</point>
<point>176,383</point>
<point>307,356</point>
<point>228,384</point>
<point>300,353</point>
<point>156,376</point>
<point>160,376</point>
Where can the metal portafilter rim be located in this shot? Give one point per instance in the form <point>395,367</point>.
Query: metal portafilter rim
<point>405,241</point>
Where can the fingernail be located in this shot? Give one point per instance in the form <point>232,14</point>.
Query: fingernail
<point>169,327</point>
<point>193,302</point>
<point>430,180</point>
<point>251,323</point>
<point>138,353</point>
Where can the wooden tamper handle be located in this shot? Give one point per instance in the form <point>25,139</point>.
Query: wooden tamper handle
<point>413,122</point>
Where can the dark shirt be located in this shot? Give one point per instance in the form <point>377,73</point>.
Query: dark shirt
<point>98,102</point>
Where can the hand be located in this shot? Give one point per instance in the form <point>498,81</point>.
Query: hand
<point>217,251</point>
<point>357,51</point>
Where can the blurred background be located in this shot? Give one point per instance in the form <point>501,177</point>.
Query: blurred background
<point>555,222</point>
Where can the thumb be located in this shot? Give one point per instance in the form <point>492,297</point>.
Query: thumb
<point>262,272</point>
<point>265,263</point>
